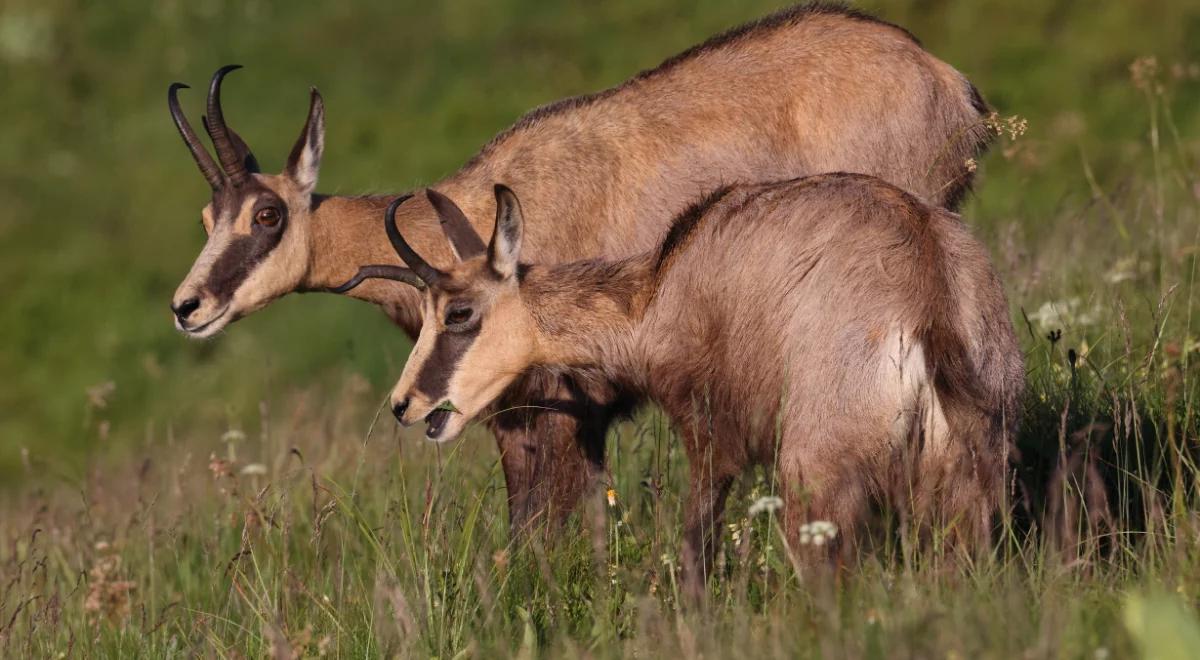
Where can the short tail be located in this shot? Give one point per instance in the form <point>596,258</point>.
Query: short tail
<point>950,365</point>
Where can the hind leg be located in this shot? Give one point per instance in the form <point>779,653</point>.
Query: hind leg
<point>964,505</point>
<point>822,489</point>
<point>823,478</point>
<point>959,486</point>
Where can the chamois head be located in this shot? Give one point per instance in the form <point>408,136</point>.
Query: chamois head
<point>257,224</point>
<point>476,335</point>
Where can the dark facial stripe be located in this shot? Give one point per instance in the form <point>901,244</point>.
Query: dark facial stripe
<point>433,380</point>
<point>237,262</point>
<point>244,253</point>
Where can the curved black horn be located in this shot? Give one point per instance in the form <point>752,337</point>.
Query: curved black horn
<point>208,167</point>
<point>381,272</point>
<point>227,151</point>
<point>243,150</point>
<point>409,256</point>
<point>456,226</point>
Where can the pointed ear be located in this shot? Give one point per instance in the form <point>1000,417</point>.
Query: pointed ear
<point>305,160</point>
<point>504,251</point>
<point>464,242</point>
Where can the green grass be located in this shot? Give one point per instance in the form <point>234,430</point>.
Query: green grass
<point>318,531</point>
<point>127,525</point>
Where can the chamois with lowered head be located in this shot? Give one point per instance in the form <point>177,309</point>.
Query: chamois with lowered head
<point>811,89</point>
<point>833,328</point>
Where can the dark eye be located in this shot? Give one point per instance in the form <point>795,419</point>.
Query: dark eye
<point>458,316</point>
<point>267,217</point>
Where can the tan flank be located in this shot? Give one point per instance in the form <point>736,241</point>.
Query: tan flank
<point>832,328</point>
<point>808,90</point>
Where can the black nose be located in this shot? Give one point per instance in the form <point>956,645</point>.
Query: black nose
<point>399,409</point>
<point>184,309</point>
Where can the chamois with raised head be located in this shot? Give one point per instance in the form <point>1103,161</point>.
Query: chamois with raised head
<point>832,328</point>
<point>811,89</point>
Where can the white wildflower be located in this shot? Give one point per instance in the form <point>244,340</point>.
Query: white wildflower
<point>818,533</point>
<point>254,469</point>
<point>1064,313</point>
<point>769,504</point>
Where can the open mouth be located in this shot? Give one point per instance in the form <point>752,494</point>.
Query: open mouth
<point>436,423</point>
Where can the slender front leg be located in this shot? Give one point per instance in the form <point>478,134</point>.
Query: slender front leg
<point>546,470</point>
<point>714,461</point>
<point>702,528</point>
<point>551,434</point>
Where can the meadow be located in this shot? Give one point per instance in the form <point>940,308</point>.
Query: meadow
<point>245,496</point>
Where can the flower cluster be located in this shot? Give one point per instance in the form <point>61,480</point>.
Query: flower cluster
<point>1014,125</point>
<point>818,532</point>
<point>769,504</point>
<point>1144,72</point>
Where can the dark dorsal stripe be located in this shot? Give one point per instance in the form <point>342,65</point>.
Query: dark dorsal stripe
<point>684,223</point>
<point>433,380</point>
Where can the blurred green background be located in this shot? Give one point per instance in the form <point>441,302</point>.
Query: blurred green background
<point>99,201</point>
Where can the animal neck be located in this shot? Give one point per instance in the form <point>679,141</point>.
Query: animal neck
<point>348,233</point>
<point>587,313</point>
